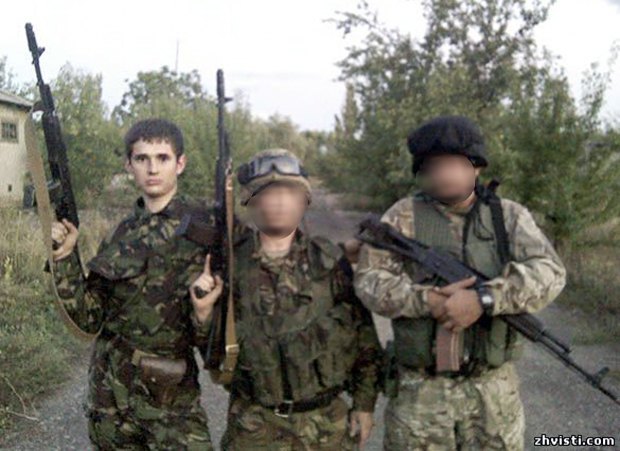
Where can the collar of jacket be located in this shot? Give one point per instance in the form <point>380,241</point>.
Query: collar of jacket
<point>443,208</point>
<point>174,208</point>
<point>299,244</point>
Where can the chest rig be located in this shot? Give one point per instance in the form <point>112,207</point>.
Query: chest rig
<point>483,246</point>
<point>304,345</point>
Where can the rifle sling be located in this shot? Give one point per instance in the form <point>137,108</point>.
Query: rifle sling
<point>225,374</point>
<point>46,217</point>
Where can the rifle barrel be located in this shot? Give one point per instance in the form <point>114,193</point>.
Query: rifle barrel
<point>451,270</point>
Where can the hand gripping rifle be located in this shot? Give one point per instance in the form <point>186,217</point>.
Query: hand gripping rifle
<point>383,236</point>
<point>54,198</point>
<point>220,356</point>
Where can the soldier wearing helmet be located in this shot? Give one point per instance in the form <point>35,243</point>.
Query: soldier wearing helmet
<point>304,336</point>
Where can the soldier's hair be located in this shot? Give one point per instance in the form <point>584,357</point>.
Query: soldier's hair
<point>154,130</point>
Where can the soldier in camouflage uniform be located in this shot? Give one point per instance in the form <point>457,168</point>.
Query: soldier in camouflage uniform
<point>476,404</point>
<point>143,390</point>
<point>304,337</point>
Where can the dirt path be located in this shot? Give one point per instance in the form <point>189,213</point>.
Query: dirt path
<point>556,401</point>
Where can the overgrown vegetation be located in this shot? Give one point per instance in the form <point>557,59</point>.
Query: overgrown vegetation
<point>93,134</point>
<point>35,347</point>
<point>478,58</point>
<point>551,151</point>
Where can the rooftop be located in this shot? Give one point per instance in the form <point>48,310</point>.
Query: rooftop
<point>12,99</point>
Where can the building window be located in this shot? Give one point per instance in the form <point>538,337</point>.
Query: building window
<point>9,131</point>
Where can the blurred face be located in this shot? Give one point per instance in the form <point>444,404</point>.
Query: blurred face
<point>278,209</point>
<point>448,178</point>
<point>155,167</point>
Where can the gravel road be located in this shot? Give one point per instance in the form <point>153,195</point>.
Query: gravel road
<point>556,401</point>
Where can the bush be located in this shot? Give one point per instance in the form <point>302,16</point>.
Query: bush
<point>35,347</point>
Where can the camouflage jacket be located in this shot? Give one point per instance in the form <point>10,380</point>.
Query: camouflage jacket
<point>137,285</point>
<point>528,283</point>
<point>301,328</point>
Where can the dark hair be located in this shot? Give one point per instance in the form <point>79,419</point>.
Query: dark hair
<point>151,130</point>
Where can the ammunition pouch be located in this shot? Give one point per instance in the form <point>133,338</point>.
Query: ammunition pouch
<point>162,377</point>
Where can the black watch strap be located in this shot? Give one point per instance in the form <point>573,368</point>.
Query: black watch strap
<point>486,300</point>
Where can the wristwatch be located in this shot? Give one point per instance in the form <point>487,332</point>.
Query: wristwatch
<point>486,300</point>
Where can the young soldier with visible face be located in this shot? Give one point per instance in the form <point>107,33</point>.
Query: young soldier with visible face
<point>143,388</point>
<point>473,404</point>
<point>304,337</point>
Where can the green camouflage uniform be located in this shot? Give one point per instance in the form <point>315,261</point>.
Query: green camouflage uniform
<point>136,296</point>
<point>481,410</point>
<point>302,334</point>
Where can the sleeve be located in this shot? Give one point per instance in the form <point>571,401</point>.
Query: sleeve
<point>200,331</point>
<point>536,276</point>
<point>82,297</point>
<point>381,281</point>
<point>365,373</point>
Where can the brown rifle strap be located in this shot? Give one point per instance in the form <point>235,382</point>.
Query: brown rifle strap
<point>224,376</point>
<point>46,217</point>
<point>448,349</point>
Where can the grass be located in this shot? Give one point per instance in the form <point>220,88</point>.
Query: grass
<point>36,350</point>
<point>593,281</point>
<point>593,287</point>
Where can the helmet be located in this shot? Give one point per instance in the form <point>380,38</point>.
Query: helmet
<point>271,166</point>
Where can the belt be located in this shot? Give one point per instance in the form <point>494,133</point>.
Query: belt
<point>136,354</point>
<point>466,371</point>
<point>288,407</point>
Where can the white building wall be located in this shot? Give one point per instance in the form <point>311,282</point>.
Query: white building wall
<point>12,156</point>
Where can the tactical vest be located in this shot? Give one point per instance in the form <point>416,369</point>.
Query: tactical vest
<point>298,354</point>
<point>489,342</point>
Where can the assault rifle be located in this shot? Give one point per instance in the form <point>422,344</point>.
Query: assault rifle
<point>59,187</point>
<point>383,236</point>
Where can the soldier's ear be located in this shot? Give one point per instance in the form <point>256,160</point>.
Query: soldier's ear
<point>128,166</point>
<point>181,163</point>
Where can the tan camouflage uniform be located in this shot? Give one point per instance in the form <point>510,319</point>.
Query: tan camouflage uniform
<point>481,411</point>
<point>136,296</point>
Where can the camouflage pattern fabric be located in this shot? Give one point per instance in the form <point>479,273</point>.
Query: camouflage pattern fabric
<point>527,284</point>
<point>302,332</point>
<point>253,427</point>
<point>442,412</point>
<point>136,295</point>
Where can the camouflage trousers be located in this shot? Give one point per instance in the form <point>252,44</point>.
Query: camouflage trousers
<point>124,415</point>
<point>440,413</point>
<point>254,427</point>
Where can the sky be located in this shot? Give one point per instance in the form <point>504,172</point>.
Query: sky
<point>281,54</point>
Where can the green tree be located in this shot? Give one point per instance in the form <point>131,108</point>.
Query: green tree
<point>477,58</point>
<point>7,77</point>
<point>181,98</point>
<point>91,138</point>
<point>564,164</point>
